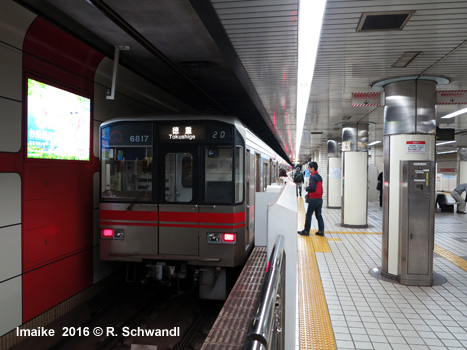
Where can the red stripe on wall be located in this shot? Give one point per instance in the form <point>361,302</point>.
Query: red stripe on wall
<point>128,215</point>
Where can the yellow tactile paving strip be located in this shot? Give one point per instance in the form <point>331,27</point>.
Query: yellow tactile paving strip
<point>315,324</point>
<point>355,233</point>
<point>453,258</point>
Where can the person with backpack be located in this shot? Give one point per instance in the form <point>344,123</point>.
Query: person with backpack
<point>298,179</point>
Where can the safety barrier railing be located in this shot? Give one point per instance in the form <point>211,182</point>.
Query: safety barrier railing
<point>266,330</point>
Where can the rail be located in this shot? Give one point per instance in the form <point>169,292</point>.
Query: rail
<point>266,330</point>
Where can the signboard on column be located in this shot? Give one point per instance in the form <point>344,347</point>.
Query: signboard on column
<point>415,147</point>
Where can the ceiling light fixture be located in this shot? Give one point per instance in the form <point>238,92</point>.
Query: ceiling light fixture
<point>310,18</point>
<point>374,143</point>
<point>455,114</point>
<point>405,59</point>
<point>455,151</point>
<point>445,142</point>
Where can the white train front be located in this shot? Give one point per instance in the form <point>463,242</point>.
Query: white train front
<point>177,194</point>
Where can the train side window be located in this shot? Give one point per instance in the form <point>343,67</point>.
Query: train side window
<point>239,174</point>
<point>218,175</point>
<point>178,177</point>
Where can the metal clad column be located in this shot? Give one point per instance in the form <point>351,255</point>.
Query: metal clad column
<point>409,134</point>
<point>355,175</point>
<point>334,176</point>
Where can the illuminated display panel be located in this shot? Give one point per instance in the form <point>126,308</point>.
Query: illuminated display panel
<point>193,132</point>
<point>58,123</point>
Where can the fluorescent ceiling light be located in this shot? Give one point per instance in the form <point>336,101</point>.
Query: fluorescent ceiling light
<point>455,151</point>
<point>454,114</point>
<point>405,59</point>
<point>445,142</point>
<point>374,143</point>
<point>310,19</point>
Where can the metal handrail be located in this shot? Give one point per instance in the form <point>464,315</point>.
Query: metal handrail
<point>265,332</point>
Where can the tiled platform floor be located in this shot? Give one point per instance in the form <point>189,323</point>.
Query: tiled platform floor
<point>368,313</point>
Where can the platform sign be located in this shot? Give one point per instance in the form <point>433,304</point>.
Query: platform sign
<point>415,147</point>
<point>451,97</point>
<point>345,146</point>
<point>366,99</point>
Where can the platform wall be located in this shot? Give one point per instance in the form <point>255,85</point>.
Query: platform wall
<point>49,235</point>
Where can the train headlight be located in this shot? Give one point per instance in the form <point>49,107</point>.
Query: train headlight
<point>229,238</point>
<point>113,233</point>
<point>224,238</point>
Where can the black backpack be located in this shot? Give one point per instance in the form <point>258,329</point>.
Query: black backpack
<point>298,177</point>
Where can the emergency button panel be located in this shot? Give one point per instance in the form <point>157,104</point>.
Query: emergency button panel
<point>420,176</point>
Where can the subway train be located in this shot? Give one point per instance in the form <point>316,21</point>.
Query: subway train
<point>178,195</point>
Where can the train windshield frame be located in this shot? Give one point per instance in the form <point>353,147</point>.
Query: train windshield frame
<point>181,162</point>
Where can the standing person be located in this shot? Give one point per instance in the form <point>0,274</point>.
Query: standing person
<point>306,173</point>
<point>298,178</point>
<point>456,194</point>
<point>379,187</point>
<point>315,202</point>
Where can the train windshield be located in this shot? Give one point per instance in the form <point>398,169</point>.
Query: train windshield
<point>126,163</point>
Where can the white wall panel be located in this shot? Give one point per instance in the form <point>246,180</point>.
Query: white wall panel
<point>10,252</point>
<point>10,72</point>
<point>10,199</point>
<point>10,305</point>
<point>14,22</point>
<point>10,120</point>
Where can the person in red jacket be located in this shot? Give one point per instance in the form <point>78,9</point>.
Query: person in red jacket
<point>315,202</point>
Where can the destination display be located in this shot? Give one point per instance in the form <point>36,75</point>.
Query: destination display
<point>193,132</point>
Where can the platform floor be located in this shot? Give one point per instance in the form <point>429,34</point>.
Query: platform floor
<point>341,306</point>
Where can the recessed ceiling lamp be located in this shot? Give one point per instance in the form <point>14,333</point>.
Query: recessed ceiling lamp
<point>405,59</point>
<point>310,18</point>
<point>454,114</point>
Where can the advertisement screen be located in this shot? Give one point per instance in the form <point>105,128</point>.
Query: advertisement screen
<point>58,123</point>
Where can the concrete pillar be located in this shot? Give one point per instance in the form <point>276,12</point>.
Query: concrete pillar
<point>409,134</point>
<point>334,176</point>
<point>354,175</point>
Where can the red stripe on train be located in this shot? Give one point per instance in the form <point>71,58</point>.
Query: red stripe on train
<point>128,215</point>
<point>234,218</point>
<point>127,223</point>
<point>222,218</point>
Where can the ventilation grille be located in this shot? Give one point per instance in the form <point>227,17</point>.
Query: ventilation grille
<point>395,20</point>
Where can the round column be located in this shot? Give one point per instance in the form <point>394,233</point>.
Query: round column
<point>409,134</point>
<point>354,201</point>
<point>462,172</point>
<point>334,176</point>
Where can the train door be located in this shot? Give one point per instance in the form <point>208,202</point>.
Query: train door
<point>178,193</point>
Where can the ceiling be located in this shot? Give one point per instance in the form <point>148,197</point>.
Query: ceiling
<point>239,57</point>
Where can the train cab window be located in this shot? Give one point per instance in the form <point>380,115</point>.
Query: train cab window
<point>126,162</point>
<point>178,177</point>
<point>218,175</point>
<point>127,173</point>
